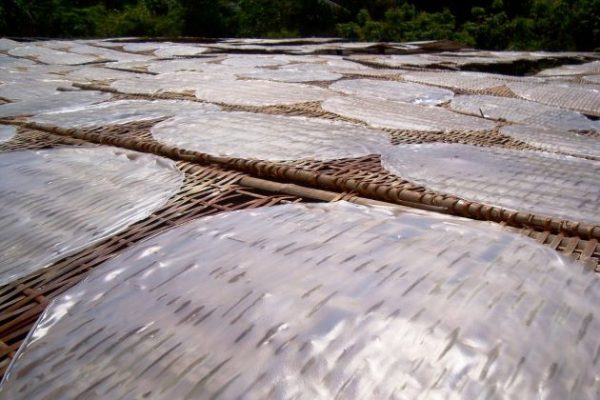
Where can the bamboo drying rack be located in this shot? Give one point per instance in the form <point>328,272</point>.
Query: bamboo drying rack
<point>216,184</point>
<point>363,176</point>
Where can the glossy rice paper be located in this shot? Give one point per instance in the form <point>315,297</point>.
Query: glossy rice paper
<point>56,202</point>
<point>544,184</point>
<point>269,137</point>
<point>321,302</point>
<point>413,117</point>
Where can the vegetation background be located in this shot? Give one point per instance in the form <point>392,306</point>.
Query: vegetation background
<point>487,24</point>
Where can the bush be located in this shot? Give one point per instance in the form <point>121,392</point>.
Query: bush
<point>488,24</point>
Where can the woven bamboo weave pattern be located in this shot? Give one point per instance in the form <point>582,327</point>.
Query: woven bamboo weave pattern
<point>353,180</point>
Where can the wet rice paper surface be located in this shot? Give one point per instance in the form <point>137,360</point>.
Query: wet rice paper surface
<point>55,202</point>
<point>529,181</point>
<point>269,137</point>
<point>318,302</point>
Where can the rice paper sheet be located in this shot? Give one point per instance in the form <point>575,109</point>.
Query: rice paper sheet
<point>541,183</point>
<point>269,137</point>
<point>320,302</point>
<point>56,202</point>
<point>393,115</point>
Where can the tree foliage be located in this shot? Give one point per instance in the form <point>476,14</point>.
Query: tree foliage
<point>490,24</point>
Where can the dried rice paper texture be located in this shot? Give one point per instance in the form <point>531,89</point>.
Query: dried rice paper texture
<point>294,73</point>
<point>92,74</point>
<point>204,64</point>
<point>13,64</point>
<point>107,54</point>
<point>592,79</point>
<point>321,302</point>
<point>7,44</point>
<point>517,110</point>
<point>128,65</point>
<point>583,98</point>
<point>56,202</point>
<point>175,51</point>
<point>569,70</point>
<point>17,70</point>
<point>393,115</point>
<point>396,60</point>
<point>251,61</point>
<point>583,144</point>
<point>120,112</point>
<point>346,67</point>
<point>471,81</point>
<point>269,137</point>
<point>51,56</point>
<point>142,46</point>
<point>27,88</point>
<point>61,101</point>
<point>179,82</point>
<point>540,183</point>
<point>7,132</point>
<point>259,93</point>
<point>404,92</point>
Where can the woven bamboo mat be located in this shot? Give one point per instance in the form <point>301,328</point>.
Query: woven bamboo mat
<point>207,190</point>
<point>363,176</point>
<point>31,139</point>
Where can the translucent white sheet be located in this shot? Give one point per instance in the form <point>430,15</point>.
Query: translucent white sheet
<point>567,70</point>
<point>142,46</point>
<point>529,112</point>
<point>15,70</point>
<point>128,65</point>
<point>321,302</point>
<point>259,93</point>
<point>176,82</point>
<point>55,202</point>
<point>13,64</point>
<point>584,98</point>
<point>556,140</point>
<point>104,53</point>
<point>395,61</point>
<point>387,114</point>
<point>404,92</point>
<point>99,74</point>
<point>193,64</point>
<point>120,112</point>
<point>31,89</point>
<point>179,50</point>
<point>294,73</point>
<point>592,79</point>
<point>61,101</point>
<point>540,183</point>
<point>7,132</point>
<point>463,80</point>
<point>453,59</point>
<point>269,137</point>
<point>7,44</point>
<point>254,60</point>
<point>341,66</point>
<point>50,56</point>
<point>338,62</point>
